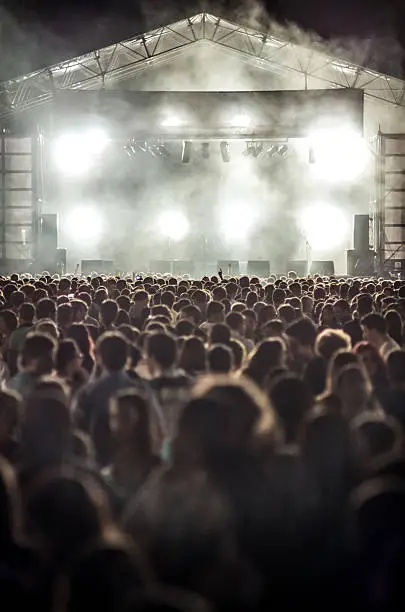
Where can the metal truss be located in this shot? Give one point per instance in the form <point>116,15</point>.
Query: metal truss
<point>312,68</point>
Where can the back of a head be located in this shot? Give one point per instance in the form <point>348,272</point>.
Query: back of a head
<point>193,355</point>
<point>269,354</point>
<point>109,312</point>
<point>239,353</point>
<point>215,310</point>
<point>113,351</point>
<point>39,351</point>
<point>17,299</point>
<point>220,334</point>
<point>330,341</point>
<point>303,332</point>
<point>220,359</point>
<point>27,313</point>
<point>67,352</point>
<point>224,414</point>
<point>377,436</point>
<point>286,313</point>
<point>292,400</point>
<point>163,349</point>
<point>340,360</point>
<point>364,304</point>
<point>46,309</point>
<point>234,320</point>
<point>79,333</point>
<point>374,322</point>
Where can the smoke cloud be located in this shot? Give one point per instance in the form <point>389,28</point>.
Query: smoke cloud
<point>270,193</point>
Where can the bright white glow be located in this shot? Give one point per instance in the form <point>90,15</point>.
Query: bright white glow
<point>237,220</point>
<point>339,154</point>
<point>76,153</point>
<point>173,224</point>
<point>242,121</point>
<point>171,121</point>
<point>325,226</point>
<point>84,224</point>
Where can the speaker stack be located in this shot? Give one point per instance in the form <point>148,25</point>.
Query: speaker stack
<point>361,259</point>
<point>47,257</point>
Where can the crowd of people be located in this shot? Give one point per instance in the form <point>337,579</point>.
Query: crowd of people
<point>192,445</point>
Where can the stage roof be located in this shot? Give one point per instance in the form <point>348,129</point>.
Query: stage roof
<point>104,68</point>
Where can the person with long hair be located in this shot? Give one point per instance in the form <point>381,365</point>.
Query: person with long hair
<point>267,356</point>
<point>133,457</point>
<point>69,365</point>
<point>395,326</point>
<point>193,357</point>
<point>79,333</point>
<point>376,368</point>
<point>355,391</point>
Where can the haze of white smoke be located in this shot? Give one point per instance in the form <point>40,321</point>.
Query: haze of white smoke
<point>263,200</point>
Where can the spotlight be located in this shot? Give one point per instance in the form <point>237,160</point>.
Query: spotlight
<point>237,219</point>
<point>171,121</point>
<point>76,153</point>
<point>84,224</point>
<point>272,152</point>
<point>129,150</point>
<point>325,226</point>
<point>253,149</point>
<point>205,150</point>
<point>186,153</point>
<point>162,150</point>
<point>241,121</point>
<point>338,155</point>
<point>173,224</point>
<point>225,151</point>
<point>283,150</point>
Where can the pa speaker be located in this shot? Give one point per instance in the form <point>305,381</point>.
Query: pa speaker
<point>361,238</point>
<point>360,263</point>
<point>258,268</point>
<point>48,234</point>
<point>101,266</point>
<point>230,267</point>
<point>163,266</point>
<point>183,266</point>
<point>61,257</point>
<point>300,267</point>
<point>324,268</point>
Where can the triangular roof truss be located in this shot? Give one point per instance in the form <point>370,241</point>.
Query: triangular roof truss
<point>123,60</point>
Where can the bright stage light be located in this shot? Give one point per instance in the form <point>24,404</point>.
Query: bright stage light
<point>241,121</point>
<point>173,224</point>
<point>84,224</point>
<point>237,221</point>
<point>338,154</point>
<point>76,153</point>
<point>325,226</point>
<point>171,121</point>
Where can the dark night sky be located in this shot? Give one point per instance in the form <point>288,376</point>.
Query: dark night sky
<point>36,33</point>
